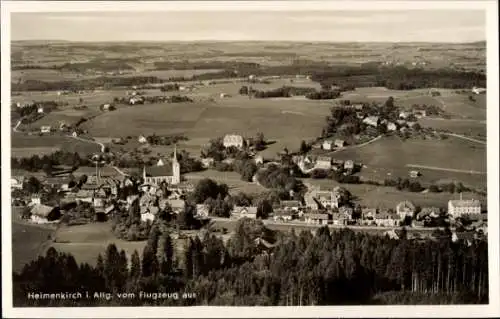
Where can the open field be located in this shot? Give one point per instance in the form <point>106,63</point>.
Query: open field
<point>467,127</point>
<point>28,241</point>
<point>232,179</point>
<point>388,157</point>
<point>26,145</point>
<point>460,106</point>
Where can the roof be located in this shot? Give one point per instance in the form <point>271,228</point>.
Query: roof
<point>339,141</point>
<point>176,203</point>
<point>290,203</point>
<point>229,138</point>
<point>41,210</point>
<point>316,216</point>
<point>371,119</point>
<point>478,217</point>
<point>249,209</point>
<point>405,205</point>
<point>386,215</point>
<point>109,209</point>
<point>337,216</point>
<point>281,212</point>
<point>465,203</point>
<point>324,159</point>
<point>325,194</point>
<point>156,171</point>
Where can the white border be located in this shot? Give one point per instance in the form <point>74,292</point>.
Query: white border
<point>493,309</point>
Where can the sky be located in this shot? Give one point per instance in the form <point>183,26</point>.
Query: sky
<point>311,26</point>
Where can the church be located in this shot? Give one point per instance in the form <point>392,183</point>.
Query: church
<point>155,175</point>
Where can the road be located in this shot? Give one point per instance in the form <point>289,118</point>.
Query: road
<point>103,147</point>
<point>445,169</point>
<point>359,145</point>
<point>17,125</point>
<point>465,138</point>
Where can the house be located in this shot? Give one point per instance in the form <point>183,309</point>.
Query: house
<point>45,129</point>
<point>311,201</point>
<point>387,219</point>
<point>315,218</point>
<point>432,212</point>
<point>420,114</point>
<point>142,139</point>
<point>147,214</point>
<point>327,145</point>
<point>42,214</point>
<point>340,143</point>
<point>414,174</point>
<point>391,126</point>
<point>207,162</point>
<point>242,212</point>
<point>17,182</point>
<point>224,95</point>
<point>259,160</point>
<point>40,110</point>
<point>404,115</point>
<point>478,91</point>
<point>457,208</point>
<point>201,210</point>
<point>339,219</point>
<point>233,140</point>
<point>405,208</point>
<point>372,121</point>
<point>283,215</point>
<point>327,199</point>
<point>106,107</point>
<point>177,205</point>
<point>156,175</point>
<point>36,199</point>
<point>368,214</point>
<point>349,165</point>
<point>290,205</point>
<point>74,134</point>
<point>323,162</point>
<point>136,99</point>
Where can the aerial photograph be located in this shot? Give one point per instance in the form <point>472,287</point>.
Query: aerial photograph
<point>248,158</point>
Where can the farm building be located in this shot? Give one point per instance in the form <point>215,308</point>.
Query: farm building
<point>391,126</point>
<point>242,212</point>
<point>148,213</point>
<point>414,174</point>
<point>311,201</point>
<point>283,215</point>
<point>368,214</point>
<point>233,140</point>
<point>259,160</point>
<point>201,210</point>
<point>41,214</point>
<point>224,95</point>
<point>74,134</point>
<point>347,212</point>
<point>45,129</point>
<point>372,121</point>
<point>339,219</point>
<point>432,212</point>
<point>387,219</point>
<point>207,162</point>
<point>40,109</point>
<point>405,208</point>
<point>327,199</point>
<point>460,207</point>
<point>404,115</point>
<point>290,205</point>
<point>349,165</point>
<point>327,145</point>
<point>141,139</point>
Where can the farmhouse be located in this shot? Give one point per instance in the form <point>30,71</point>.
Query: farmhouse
<point>349,165</point>
<point>386,219</point>
<point>459,207</point>
<point>405,208</point>
<point>142,139</point>
<point>157,174</point>
<point>283,215</point>
<point>323,162</point>
<point>148,213</point>
<point>347,212</point>
<point>177,205</point>
<point>233,140</point>
<point>242,212</point>
<point>40,109</point>
<point>207,162</point>
<point>404,115</point>
<point>45,129</point>
<point>339,219</point>
<point>431,212</point>
<point>41,214</point>
<point>391,126</point>
<point>136,100</point>
<point>368,214</point>
<point>327,199</point>
<point>311,201</point>
<point>372,121</point>
<point>327,145</point>
<point>290,205</point>
<point>201,210</point>
<point>414,174</point>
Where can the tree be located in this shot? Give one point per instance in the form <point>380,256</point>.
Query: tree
<point>167,257</point>
<point>33,185</point>
<point>304,148</point>
<point>150,265</point>
<point>264,208</point>
<point>135,266</point>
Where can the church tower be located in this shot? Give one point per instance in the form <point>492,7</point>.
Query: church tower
<point>176,168</point>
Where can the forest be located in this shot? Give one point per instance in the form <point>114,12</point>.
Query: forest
<point>339,268</point>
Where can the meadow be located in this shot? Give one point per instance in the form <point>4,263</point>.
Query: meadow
<point>28,241</point>
<point>27,145</point>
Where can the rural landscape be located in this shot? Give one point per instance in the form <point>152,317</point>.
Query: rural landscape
<point>248,173</point>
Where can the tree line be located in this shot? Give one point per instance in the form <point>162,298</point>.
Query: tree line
<point>338,268</point>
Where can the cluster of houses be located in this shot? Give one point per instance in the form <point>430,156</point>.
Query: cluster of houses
<point>307,163</point>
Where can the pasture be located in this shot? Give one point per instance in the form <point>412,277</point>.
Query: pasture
<point>232,179</point>
<point>473,128</point>
<point>389,156</point>
<point>28,241</point>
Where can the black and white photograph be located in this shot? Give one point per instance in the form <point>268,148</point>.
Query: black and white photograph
<point>282,157</point>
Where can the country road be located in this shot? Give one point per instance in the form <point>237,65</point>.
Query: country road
<point>359,145</point>
<point>89,141</point>
<point>466,138</point>
<point>17,125</point>
<point>445,169</point>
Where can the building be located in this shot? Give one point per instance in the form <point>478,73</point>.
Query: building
<point>156,175</point>
<point>478,91</point>
<point>391,127</point>
<point>460,207</point>
<point>404,115</point>
<point>17,182</point>
<point>242,212</point>
<point>327,145</point>
<point>372,121</point>
<point>233,140</point>
<point>311,201</point>
<point>201,210</point>
<point>315,218</point>
<point>283,215</point>
<point>323,162</point>
<point>148,213</point>
<point>45,129</point>
<point>405,208</point>
<point>142,139</point>
<point>327,199</point>
<point>290,205</point>
<point>224,95</point>
<point>414,174</point>
<point>259,160</point>
<point>432,212</point>
<point>207,162</point>
<point>340,143</point>
<point>387,219</point>
<point>368,214</point>
<point>177,205</point>
<point>40,110</point>
<point>349,165</point>
<point>42,214</point>
<point>347,212</point>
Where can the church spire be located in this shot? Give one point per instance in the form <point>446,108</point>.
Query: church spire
<point>175,153</point>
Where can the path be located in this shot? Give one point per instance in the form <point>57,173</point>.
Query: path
<point>17,125</point>
<point>466,138</point>
<point>103,147</point>
<point>119,171</point>
<point>445,169</point>
<point>359,145</point>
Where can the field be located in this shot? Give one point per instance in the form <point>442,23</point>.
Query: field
<point>26,145</point>
<point>232,179</point>
<point>389,156</point>
<point>27,242</point>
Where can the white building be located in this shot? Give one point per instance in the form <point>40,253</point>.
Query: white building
<point>16,182</point>
<point>477,90</point>
<point>371,120</point>
<point>157,174</point>
<point>45,129</point>
<point>460,207</point>
<point>233,140</point>
<point>405,208</point>
<point>327,145</point>
<point>391,126</point>
<point>142,139</point>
